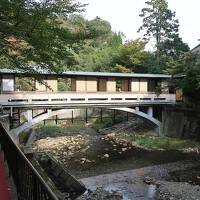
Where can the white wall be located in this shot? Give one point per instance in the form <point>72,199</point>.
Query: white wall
<point>7,83</point>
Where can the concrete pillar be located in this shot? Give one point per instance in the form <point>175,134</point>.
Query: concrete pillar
<point>137,108</point>
<point>150,111</point>
<point>135,85</point>
<point>111,85</point>
<point>29,115</point>
<point>8,83</point>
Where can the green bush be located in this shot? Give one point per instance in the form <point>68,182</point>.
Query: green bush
<point>51,130</point>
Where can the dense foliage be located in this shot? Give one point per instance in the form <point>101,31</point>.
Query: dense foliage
<point>188,69</point>
<point>33,31</point>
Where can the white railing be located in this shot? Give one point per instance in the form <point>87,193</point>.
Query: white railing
<point>89,98</point>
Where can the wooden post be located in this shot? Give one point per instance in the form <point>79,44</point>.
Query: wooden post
<point>44,122</point>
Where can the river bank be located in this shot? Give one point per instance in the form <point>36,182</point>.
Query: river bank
<point>88,153</point>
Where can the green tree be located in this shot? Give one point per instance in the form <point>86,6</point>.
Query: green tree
<point>187,67</point>
<point>174,47</point>
<point>159,23</point>
<point>103,32</point>
<point>33,31</point>
<point>132,57</point>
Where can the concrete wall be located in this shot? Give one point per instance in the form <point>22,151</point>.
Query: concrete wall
<point>111,85</point>
<point>179,122</point>
<point>102,85</point>
<point>135,85</point>
<point>7,83</point>
<point>143,85</point>
<point>91,84</point>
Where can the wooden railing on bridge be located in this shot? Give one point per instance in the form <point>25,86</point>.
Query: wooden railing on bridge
<point>29,184</point>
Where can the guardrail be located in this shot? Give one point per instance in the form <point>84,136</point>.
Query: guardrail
<point>29,184</point>
<point>70,97</point>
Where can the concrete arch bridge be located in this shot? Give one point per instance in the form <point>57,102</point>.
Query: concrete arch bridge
<point>15,132</point>
<point>120,91</point>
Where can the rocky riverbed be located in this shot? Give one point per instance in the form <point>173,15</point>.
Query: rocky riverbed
<point>90,154</point>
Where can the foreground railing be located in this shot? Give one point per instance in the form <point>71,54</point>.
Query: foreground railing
<point>29,184</point>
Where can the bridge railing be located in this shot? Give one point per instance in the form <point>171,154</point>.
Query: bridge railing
<point>29,184</point>
<point>70,97</point>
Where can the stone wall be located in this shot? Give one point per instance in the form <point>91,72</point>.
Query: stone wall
<point>181,122</point>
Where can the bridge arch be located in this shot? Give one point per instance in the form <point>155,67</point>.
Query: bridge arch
<point>142,115</point>
<point>15,132</point>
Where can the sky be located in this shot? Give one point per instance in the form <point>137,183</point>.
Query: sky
<point>123,15</point>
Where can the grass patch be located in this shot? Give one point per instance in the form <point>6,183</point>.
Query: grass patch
<point>51,130</point>
<point>152,142</point>
<point>107,122</point>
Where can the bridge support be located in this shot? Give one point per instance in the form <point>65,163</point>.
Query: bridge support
<point>29,115</point>
<point>148,116</point>
<point>49,113</point>
<point>150,111</point>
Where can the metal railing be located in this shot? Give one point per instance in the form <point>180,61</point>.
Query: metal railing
<point>29,184</point>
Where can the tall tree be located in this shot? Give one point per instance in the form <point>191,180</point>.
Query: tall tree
<point>189,68</point>
<point>159,22</point>
<point>131,57</point>
<point>33,31</point>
